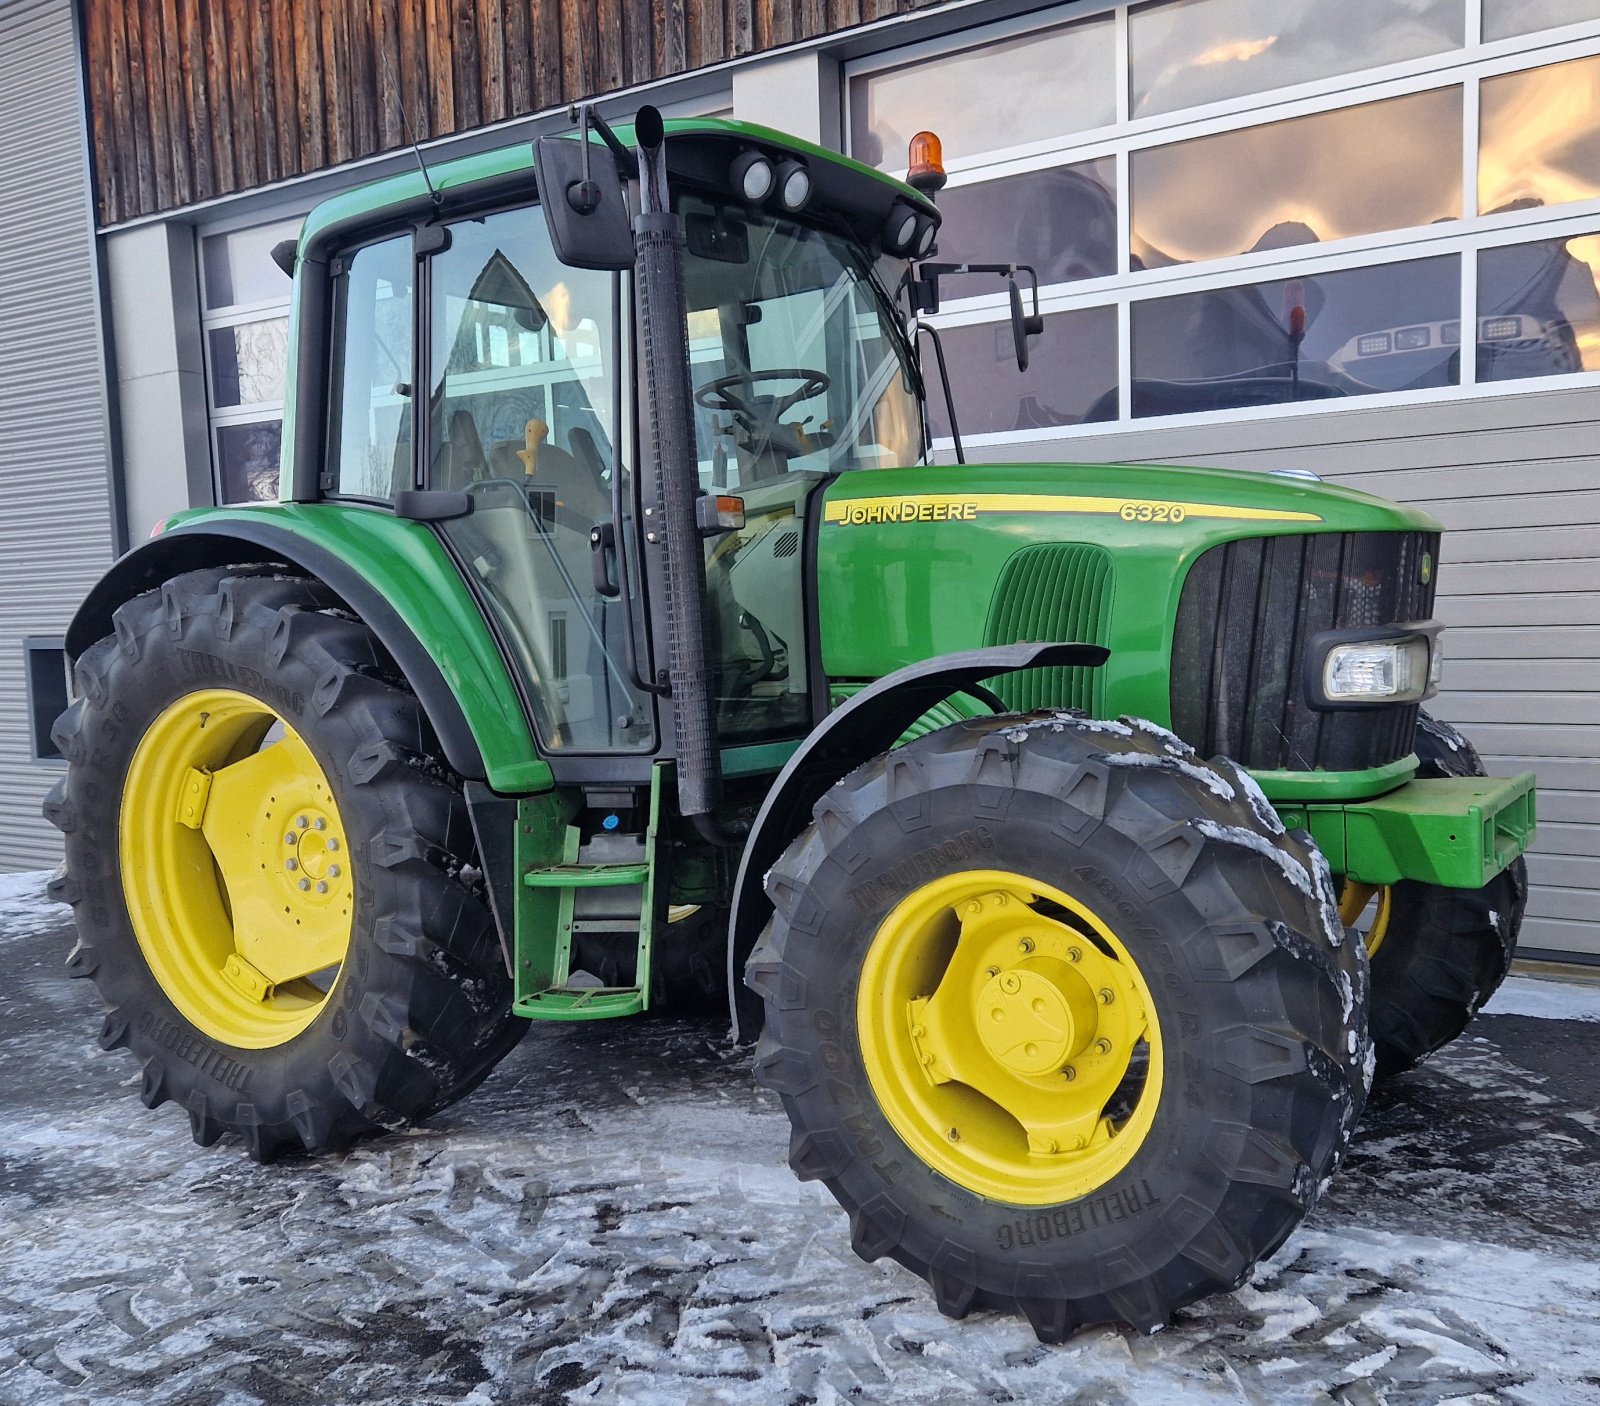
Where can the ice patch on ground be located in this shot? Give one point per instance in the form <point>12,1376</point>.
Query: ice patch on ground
<point>28,909</point>
<point>1548,1000</point>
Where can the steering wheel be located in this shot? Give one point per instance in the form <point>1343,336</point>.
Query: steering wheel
<point>716,395</point>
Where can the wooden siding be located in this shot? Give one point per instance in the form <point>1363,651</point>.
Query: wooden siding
<point>191,99</point>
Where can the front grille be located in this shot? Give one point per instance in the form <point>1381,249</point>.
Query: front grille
<point>1247,614</point>
<point>1051,591</point>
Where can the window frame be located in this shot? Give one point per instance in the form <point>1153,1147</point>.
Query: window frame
<point>234,315</point>
<point>1467,67</point>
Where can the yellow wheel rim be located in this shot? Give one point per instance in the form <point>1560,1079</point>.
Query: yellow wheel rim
<point>1009,1037</point>
<point>235,868</point>
<point>1354,901</point>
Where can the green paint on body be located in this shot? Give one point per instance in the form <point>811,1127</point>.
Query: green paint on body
<point>406,564</point>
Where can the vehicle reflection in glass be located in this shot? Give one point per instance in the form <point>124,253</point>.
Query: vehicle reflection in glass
<point>1539,309</point>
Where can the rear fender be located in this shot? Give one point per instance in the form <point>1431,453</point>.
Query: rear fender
<point>867,724</point>
<point>493,743</point>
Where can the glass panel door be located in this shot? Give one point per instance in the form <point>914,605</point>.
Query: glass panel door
<point>520,416</point>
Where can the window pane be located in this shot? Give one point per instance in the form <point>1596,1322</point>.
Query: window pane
<point>1063,222</point>
<point>989,97</point>
<point>1391,328</point>
<point>239,267</point>
<point>372,376</point>
<point>1188,52</point>
<point>247,461</point>
<point>1541,137</point>
<point>1503,18</point>
<point>248,362</point>
<point>1539,309</point>
<point>1331,175</point>
<point>1071,377</point>
<point>520,416</point>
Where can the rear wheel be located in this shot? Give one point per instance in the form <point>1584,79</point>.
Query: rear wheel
<point>1062,1018</point>
<point>1437,953</point>
<point>269,869</point>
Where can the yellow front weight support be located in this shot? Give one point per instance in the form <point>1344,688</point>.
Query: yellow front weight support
<point>1354,898</point>
<point>1011,1042</point>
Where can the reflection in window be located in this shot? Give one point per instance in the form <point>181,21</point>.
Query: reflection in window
<point>1062,222</point>
<point>372,371</point>
<point>248,362</point>
<point>247,461</point>
<point>1071,377</point>
<point>1354,332</point>
<point>988,97</point>
<point>1503,18</point>
<point>1541,137</point>
<point>1539,309</point>
<point>239,267</point>
<point>1331,175</point>
<point>1188,52</point>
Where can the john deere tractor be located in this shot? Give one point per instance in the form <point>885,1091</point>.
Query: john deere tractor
<point>615,641</point>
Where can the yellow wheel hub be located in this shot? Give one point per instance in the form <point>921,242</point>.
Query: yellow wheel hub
<point>1355,899</point>
<point>1009,1037</point>
<point>235,868</point>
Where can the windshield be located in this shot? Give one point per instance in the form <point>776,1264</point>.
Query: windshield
<point>795,360</point>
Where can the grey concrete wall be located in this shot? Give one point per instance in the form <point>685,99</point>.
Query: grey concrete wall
<point>161,385</point>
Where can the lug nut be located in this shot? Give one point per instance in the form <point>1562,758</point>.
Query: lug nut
<point>304,885</point>
<point>319,824</point>
<point>1074,954</point>
<point>1106,996</point>
<point>1069,1073</point>
<point>991,972</point>
<point>333,842</point>
<point>291,864</point>
<point>1026,945</point>
<point>322,885</point>
<point>301,821</point>
<point>333,871</point>
<point>291,838</point>
<point>1102,1047</point>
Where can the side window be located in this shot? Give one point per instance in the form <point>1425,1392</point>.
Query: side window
<point>370,429</point>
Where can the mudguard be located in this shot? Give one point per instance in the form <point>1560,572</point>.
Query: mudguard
<point>868,723</point>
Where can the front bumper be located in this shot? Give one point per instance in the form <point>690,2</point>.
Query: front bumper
<point>1457,832</point>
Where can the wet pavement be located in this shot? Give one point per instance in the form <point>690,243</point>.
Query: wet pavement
<point>609,1218</point>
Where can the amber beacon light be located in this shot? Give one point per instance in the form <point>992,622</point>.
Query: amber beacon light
<point>925,163</point>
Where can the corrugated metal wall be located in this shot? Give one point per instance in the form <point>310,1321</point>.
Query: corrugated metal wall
<point>54,499</point>
<point>1515,479</point>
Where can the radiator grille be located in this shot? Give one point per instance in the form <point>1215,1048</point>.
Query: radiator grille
<point>1059,592</point>
<point>1247,614</point>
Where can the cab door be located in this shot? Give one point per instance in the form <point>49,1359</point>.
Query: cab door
<point>520,411</point>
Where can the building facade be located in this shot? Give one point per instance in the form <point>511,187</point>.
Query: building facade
<point>1358,238</point>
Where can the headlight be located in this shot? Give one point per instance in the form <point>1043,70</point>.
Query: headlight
<point>1349,668</point>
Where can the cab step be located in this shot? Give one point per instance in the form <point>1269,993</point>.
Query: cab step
<point>582,1003</point>
<point>586,876</point>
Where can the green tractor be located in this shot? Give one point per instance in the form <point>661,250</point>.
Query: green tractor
<point>616,642</point>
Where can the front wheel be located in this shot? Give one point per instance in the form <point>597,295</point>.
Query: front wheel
<point>1061,1017</point>
<point>270,870</point>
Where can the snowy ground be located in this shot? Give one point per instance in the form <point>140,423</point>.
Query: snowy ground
<point>610,1219</point>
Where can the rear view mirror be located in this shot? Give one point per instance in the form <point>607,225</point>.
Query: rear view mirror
<point>1019,327</point>
<point>585,203</point>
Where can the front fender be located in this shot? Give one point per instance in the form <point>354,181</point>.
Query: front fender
<point>868,723</point>
<point>396,578</point>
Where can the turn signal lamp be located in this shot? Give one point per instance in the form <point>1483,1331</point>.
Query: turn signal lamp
<point>721,513</point>
<point>925,163</point>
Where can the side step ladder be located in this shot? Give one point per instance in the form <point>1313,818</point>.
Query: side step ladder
<point>548,918</point>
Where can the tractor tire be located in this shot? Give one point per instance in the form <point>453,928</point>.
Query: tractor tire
<point>1438,954</point>
<point>265,860</point>
<point>1062,1018</point>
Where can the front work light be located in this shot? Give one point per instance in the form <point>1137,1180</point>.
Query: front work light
<point>1378,671</point>
<point>752,177</point>
<point>899,229</point>
<point>794,185</point>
